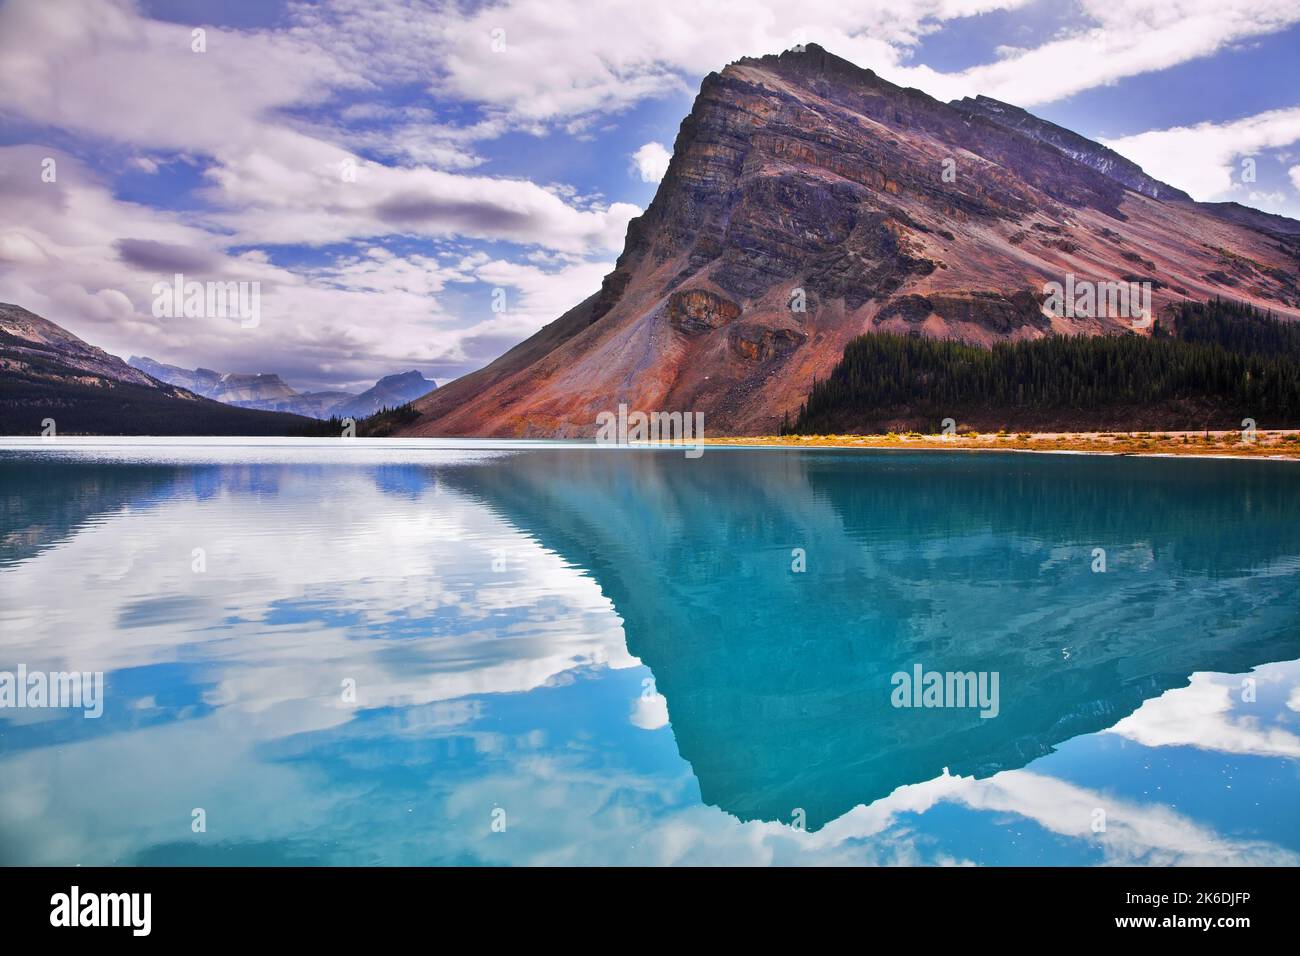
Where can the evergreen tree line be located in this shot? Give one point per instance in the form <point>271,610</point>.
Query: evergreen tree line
<point>1238,327</point>
<point>1228,353</point>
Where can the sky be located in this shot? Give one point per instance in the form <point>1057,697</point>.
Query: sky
<point>424,184</point>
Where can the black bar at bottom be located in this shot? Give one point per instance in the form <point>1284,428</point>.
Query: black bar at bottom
<point>210,904</point>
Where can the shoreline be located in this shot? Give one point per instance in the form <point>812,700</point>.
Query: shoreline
<point>1269,444</point>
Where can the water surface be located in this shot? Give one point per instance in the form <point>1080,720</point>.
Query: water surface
<point>372,652</point>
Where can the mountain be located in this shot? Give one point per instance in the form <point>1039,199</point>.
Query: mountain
<point>251,390</point>
<point>1111,164</point>
<point>312,404</point>
<point>200,381</point>
<point>34,346</point>
<point>803,180</point>
<point>46,372</point>
<point>247,391</point>
<point>389,392</point>
<point>269,392</point>
<point>1101,158</point>
<point>264,390</point>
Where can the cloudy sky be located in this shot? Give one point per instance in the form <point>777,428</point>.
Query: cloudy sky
<point>384,168</point>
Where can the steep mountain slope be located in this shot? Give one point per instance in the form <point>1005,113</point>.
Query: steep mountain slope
<point>1111,164</point>
<point>802,180</point>
<point>31,342</point>
<point>46,372</point>
<point>1101,158</point>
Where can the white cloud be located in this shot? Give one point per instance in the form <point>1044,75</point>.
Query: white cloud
<point>274,199</point>
<point>562,59</point>
<point>99,67</point>
<point>93,68</point>
<point>1205,159</point>
<point>650,712</point>
<point>1261,200</point>
<point>1115,41</point>
<point>72,252</point>
<point>535,296</point>
<point>1294,173</point>
<point>1201,715</point>
<point>650,162</point>
<point>565,58</point>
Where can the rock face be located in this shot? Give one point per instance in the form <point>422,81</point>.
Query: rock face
<point>249,390</point>
<point>757,343</point>
<point>809,201</point>
<point>700,310</point>
<point>1101,158</point>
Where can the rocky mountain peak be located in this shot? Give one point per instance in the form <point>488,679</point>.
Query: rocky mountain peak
<point>413,377</point>
<point>809,200</point>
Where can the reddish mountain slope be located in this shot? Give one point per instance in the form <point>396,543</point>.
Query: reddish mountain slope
<point>803,175</point>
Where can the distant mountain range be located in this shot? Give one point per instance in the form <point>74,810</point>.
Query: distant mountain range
<point>268,392</point>
<point>809,201</point>
<point>51,379</point>
<point>389,392</point>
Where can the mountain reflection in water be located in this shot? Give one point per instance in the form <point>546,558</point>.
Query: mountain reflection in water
<point>612,646</point>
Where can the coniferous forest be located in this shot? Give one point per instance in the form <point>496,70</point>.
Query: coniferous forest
<point>1207,365</point>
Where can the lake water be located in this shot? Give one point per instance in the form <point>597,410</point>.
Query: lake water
<point>355,652</point>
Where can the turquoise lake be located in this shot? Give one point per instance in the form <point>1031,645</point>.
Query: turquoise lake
<point>471,653</point>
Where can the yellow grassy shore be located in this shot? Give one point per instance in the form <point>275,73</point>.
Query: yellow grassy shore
<point>1284,444</point>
